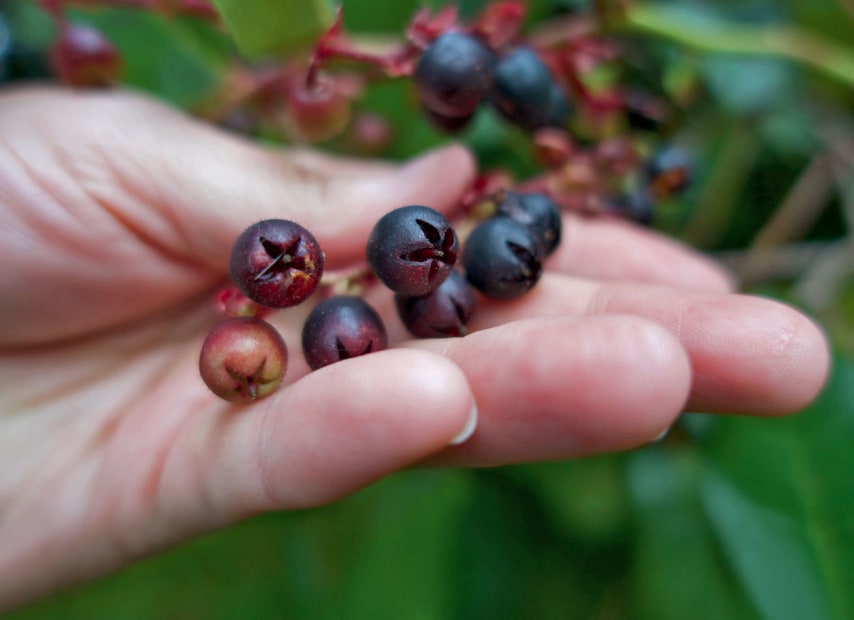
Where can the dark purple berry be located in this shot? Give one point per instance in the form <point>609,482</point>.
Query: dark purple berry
<point>243,359</point>
<point>525,93</point>
<point>669,170</point>
<point>644,111</point>
<point>276,263</point>
<point>454,74</point>
<point>449,124</point>
<point>502,259</point>
<point>538,212</point>
<point>559,110</point>
<point>339,328</point>
<point>635,205</point>
<point>443,313</point>
<point>82,56</point>
<point>412,250</point>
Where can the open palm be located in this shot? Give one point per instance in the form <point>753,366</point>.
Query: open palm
<point>117,219</point>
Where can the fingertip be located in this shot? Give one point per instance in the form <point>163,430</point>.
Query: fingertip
<point>798,361</point>
<point>651,380</point>
<point>347,425</point>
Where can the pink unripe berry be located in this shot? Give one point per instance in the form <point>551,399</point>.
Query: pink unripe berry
<point>317,112</point>
<point>82,56</point>
<point>243,359</point>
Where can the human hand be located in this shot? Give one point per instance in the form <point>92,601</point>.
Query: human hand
<point>118,216</point>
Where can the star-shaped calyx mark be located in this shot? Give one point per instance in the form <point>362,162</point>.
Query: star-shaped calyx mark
<point>247,386</point>
<point>530,266</point>
<point>442,248</point>
<point>282,258</point>
<point>344,352</point>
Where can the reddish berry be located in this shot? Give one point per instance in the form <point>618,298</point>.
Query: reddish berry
<point>317,112</point>
<point>276,263</point>
<point>443,313</point>
<point>82,56</point>
<point>243,359</point>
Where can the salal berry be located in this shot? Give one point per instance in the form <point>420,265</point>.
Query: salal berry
<point>449,124</point>
<point>635,205</point>
<point>443,313</point>
<point>502,258</point>
<point>525,93</point>
<point>82,56</point>
<point>317,112</point>
<point>538,212</point>
<point>454,74</point>
<point>339,328</point>
<point>243,359</point>
<point>412,249</point>
<point>276,263</point>
<point>669,170</point>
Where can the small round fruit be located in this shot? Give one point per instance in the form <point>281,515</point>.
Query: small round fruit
<point>276,263</point>
<point>525,93</point>
<point>502,258</point>
<point>443,313</point>
<point>412,249</point>
<point>538,212</point>
<point>669,170</point>
<point>316,113</point>
<point>82,56</point>
<point>635,205</point>
<point>454,74</point>
<point>243,359</point>
<point>339,328</point>
<point>448,124</point>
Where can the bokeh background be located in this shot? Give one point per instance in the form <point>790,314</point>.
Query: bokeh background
<point>728,517</point>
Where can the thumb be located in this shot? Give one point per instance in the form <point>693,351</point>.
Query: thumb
<point>207,185</point>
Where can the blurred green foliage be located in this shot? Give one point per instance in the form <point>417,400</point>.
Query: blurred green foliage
<point>728,517</point>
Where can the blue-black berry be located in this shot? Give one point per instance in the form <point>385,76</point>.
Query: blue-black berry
<point>454,74</point>
<point>412,249</point>
<point>502,258</point>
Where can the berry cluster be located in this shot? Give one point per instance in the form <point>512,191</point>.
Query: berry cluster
<point>458,71</point>
<point>413,250</point>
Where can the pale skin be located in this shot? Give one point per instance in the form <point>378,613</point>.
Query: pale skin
<point>116,219</point>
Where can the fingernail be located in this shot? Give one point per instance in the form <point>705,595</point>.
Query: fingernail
<point>661,435</point>
<point>468,429</point>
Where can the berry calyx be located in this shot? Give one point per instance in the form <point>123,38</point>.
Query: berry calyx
<point>243,359</point>
<point>276,263</point>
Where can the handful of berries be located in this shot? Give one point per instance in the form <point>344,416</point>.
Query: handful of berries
<point>584,138</point>
<point>413,250</point>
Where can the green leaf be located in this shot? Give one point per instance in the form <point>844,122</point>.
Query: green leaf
<point>270,27</point>
<point>678,571</point>
<point>780,495</point>
<point>178,60</point>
